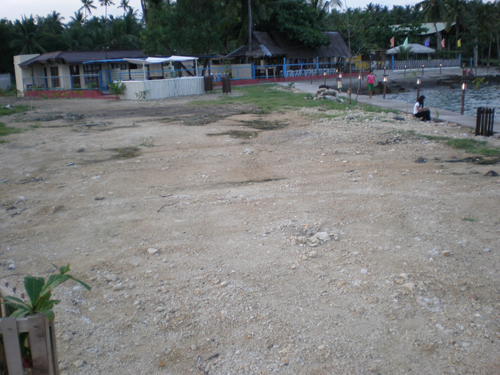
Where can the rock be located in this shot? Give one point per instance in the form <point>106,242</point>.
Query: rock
<point>409,286</point>
<point>421,160</point>
<point>331,92</point>
<point>364,271</point>
<point>118,287</point>
<point>373,300</point>
<point>321,91</point>
<point>329,97</point>
<point>322,236</point>
<point>446,253</point>
<point>194,347</point>
<point>11,266</point>
<point>224,283</point>
<point>431,304</point>
<point>111,277</point>
<point>152,251</point>
<point>312,254</point>
<point>79,363</point>
<point>491,174</point>
<point>399,118</point>
<point>160,309</point>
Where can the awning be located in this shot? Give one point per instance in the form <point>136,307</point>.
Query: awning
<point>161,60</point>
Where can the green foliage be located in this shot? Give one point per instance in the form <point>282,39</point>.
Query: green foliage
<point>39,293</point>
<point>298,21</point>
<point>477,81</point>
<point>268,98</point>
<point>117,88</point>
<point>4,130</point>
<point>473,146</point>
<point>6,111</point>
<point>141,95</point>
<point>469,219</point>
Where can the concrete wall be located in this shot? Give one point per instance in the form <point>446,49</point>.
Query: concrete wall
<point>164,88</point>
<point>5,81</point>
<point>239,71</point>
<point>22,73</point>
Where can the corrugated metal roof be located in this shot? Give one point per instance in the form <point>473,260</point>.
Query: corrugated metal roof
<point>78,57</point>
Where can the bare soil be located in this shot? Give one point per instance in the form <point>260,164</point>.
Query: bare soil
<point>336,242</point>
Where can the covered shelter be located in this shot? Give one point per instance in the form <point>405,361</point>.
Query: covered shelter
<point>415,48</point>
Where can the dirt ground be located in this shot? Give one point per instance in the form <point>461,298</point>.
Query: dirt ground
<point>314,242</point>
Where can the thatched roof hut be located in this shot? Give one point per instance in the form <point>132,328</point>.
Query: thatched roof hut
<point>276,44</point>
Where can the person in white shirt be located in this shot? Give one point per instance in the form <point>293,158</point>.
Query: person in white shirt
<point>420,111</point>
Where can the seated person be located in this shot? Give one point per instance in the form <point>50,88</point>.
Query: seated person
<point>471,73</point>
<point>419,111</point>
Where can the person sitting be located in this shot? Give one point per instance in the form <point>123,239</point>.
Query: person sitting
<point>419,111</point>
<point>471,73</point>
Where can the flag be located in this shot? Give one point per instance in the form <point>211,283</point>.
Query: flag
<point>427,42</point>
<point>459,43</point>
<point>392,42</point>
<point>405,44</point>
<point>442,43</point>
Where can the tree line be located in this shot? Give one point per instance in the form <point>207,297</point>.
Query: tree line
<point>211,27</point>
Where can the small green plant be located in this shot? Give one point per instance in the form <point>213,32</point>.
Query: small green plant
<point>170,71</point>
<point>437,114</point>
<point>39,292</point>
<point>141,95</point>
<point>471,220</point>
<point>477,81</point>
<point>117,88</point>
<point>92,85</point>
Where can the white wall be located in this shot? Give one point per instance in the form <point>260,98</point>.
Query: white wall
<point>164,88</point>
<point>22,73</point>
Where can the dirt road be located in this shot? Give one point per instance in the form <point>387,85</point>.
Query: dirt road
<point>336,242</point>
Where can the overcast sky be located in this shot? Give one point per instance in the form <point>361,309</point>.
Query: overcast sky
<point>15,9</point>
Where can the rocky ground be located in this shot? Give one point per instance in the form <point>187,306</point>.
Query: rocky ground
<point>219,241</point>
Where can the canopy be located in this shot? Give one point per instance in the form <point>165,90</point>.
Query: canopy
<point>415,48</point>
<point>161,60</point>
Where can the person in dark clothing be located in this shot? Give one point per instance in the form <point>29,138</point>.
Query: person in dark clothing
<point>420,111</point>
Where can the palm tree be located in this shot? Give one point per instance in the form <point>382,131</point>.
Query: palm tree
<point>27,37</point>
<point>432,11</point>
<point>125,5</point>
<point>52,24</point>
<point>455,12</point>
<point>77,19</point>
<point>105,4</point>
<point>323,7</point>
<point>88,5</point>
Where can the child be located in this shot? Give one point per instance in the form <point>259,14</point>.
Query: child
<point>370,83</point>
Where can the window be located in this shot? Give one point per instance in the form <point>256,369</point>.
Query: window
<point>133,66</point>
<point>123,66</point>
<point>54,73</point>
<point>91,72</point>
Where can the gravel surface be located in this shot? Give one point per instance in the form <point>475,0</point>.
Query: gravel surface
<point>338,243</point>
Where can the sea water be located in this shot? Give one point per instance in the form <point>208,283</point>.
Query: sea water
<point>487,95</point>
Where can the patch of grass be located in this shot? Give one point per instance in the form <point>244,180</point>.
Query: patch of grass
<point>4,130</point>
<point>17,109</point>
<point>433,137</point>
<point>236,134</point>
<point>469,219</point>
<point>267,99</point>
<point>370,108</point>
<point>127,152</point>
<point>473,146</point>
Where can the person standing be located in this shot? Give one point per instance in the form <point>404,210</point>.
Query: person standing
<point>370,83</point>
<point>419,111</point>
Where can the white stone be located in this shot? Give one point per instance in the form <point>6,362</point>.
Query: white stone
<point>152,251</point>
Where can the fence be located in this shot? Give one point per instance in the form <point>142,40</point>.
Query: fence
<point>485,120</point>
<point>427,64</point>
<point>42,341</point>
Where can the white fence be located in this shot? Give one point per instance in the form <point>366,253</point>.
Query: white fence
<point>427,64</point>
<point>163,88</point>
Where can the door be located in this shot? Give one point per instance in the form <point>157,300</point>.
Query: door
<point>54,76</point>
<point>75,76</point>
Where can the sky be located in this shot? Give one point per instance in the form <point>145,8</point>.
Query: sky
<point>15,9</point>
